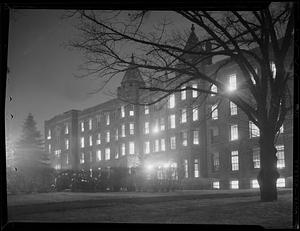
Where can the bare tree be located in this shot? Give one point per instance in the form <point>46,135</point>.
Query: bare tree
<point>252,40</point>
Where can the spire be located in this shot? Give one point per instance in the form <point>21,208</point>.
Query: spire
<point>192,40</point>
<point>132,58</point>
<point>193,28</point>
<point>132,73</point>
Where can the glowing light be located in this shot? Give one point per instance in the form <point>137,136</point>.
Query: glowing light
<point>166,165</point>
<point>155,129</point>
<point>149,167</point>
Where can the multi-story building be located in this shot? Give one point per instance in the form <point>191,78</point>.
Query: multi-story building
<point>203,140</point>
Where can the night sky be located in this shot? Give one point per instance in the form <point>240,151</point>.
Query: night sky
<point>41,79</point>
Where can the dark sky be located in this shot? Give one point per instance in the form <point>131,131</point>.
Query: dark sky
<point>41,78</point>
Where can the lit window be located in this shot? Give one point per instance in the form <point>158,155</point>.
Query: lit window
<point>234,132</point>
<point>99,155</point>
<point>162,145</point>
<point>123,149</point>
<point>216,184</point>
<point>98,138</point>
<point>82,142</point>
<point>254,130</point>
<point>196,137</point>
<point>107,119</point>
<point>67,158</point>
<point>184,138</point>
<point>82,158</point>
<point>67,144</point>
<point>57,166</point>
<point>196,168</point>
<point>156,146</point>
<point>91,140</point>
<point>82,126</point>
<point>280,156</point>
<point>273,69</point>
<point>194,92</point>
<point>280,183</point>
<point>155,128</point>
<point>147,147</point>
<point>98,121</point>
<point>117,154</point>
<point>131,112</point>
<point>252,77</point>
<point>234,161</point>
<point>90,124</point>
<point>107,153</point>
<point>256,157</point>
<point>67,129</point>
<point>49,134</point>
<point>233,108</point>
<point>186,172</point>
<point>91,157</point>
<point>107,136</point>
<point>117,134</point>
<point>147,127</point>
<point>213,89</point>
<point>183,115</point>
<point>122,111</point>
<point>195,114</point>
<point>131,128</point>
<point>173,142</point>
<point>123,130</point>
<point>214,112</point>
<point>281,129</point>
<point>232,82</point>
<point>216,161</point>
<point>49,148</point>
<point>146,109</point>
<point>162,124</point>
<point>57,153</point>
<point>172,101</point>
<point>183,93</point>
<point>254,184</point>
<point>172,121</point>
<point>234,184</point>
<point>131,147</point>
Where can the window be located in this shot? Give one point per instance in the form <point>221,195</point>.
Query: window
<point>172,121</point>
<point>273,69</point>
<point>91,140</point>
<point>98,141</point>
<point>123,130</point>
<point>107,136</point>
<point>196,168</point>
<point>123,149</point>
<point>91,157</point>
<point>57,153</point>
<point>98,121</point>
<point>254,184</point>
<point>49,148</point>
<point>234,184</point>
<point>216,185</point>
<point>216,161</point>
<point>213,89</point>
<point>107,153</point>
<point>162,145</point>
<point>162,124</point>
<point>195,114</point>
<point>194,92</point>
<point>122,111</point>
<point>256,157</point>
<point>184,138</point>
<point>214,134</point>
<point>196,137</point>
<point>155,128</point>
<point>131,128</point>
<point>66,128</point>
<point>99,155</point>
<point>156,146</point>
<point>233,108</point>
<point>131,112</point>
<point>172,101</point>
<point>57,166</point>
<point>280,183</point>
<point>147,128</point>
<point>107,119</point>
<point>234,132</point>
<point>82,158</point>
<point>280,156</point>
<point>281,129</point>
<point>90,124</point>
<point>131,147</point>
<point>82,126</point>
<point>173,142</point>
<point>183,93</point>
<point>117,154</point>
<point>253,130</point>
<point>183,115</point>
<point>214,112</point>
<point>186,172</point>
<point>146,109</point>
<point>49,134</point>
<point>147,147</point>
<point>234,160</point>
<point>252,77</point>
<point>66,144</point>
<point>117,134</point>
<point>67,159</point>
<point>232,82</point>
<point>82,142</point>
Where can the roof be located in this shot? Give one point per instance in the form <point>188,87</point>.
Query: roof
<point>132,73</point>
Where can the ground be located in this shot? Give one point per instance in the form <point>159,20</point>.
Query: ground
<point>235,207</point>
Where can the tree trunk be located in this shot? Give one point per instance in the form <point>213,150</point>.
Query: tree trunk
<point>268,174</point>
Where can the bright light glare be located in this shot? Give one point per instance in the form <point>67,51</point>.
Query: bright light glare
<point>166,165</point>
<point>149,167</point>
<point>155,129</point>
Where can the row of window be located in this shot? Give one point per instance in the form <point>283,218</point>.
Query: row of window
<point>66,131</point>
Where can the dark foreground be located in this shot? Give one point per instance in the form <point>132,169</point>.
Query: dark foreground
<point>185,207</point>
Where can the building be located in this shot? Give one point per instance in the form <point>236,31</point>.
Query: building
<point>202,140</point>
